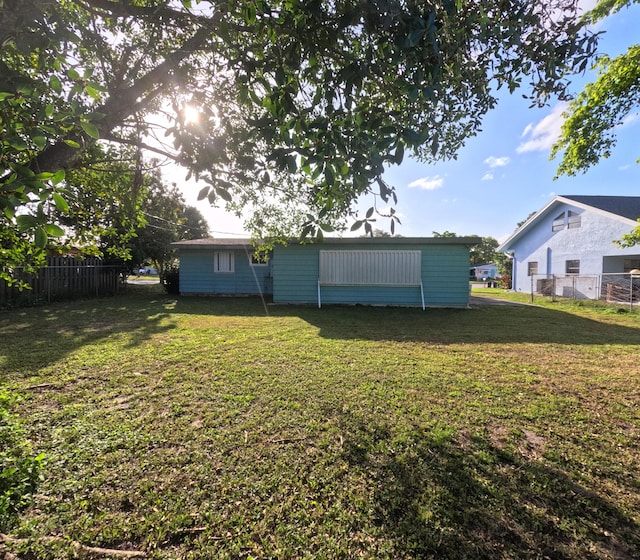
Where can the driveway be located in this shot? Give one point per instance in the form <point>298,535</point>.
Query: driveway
<point>481,301</point>
<point>141,280</point>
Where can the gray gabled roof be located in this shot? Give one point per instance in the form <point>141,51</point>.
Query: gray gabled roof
<point>625,208</point>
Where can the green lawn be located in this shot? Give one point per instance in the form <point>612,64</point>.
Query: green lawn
<point>224,428</point>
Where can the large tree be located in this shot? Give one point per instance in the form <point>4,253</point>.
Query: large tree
<point>104,202</point>
<point>167,218</point>
<point>592,118</point>
<point>121,208</point>
<point>484,252</point>
<point>288,109</point>
<point>589,130</point>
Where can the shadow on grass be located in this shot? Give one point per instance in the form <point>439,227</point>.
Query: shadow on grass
<point>450,496</point>
<point>39,336</point>
<point>488,324</point>
<point>36,337</point>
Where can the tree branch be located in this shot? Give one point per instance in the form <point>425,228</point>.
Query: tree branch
<point>92,550</point>
<point>143,145</point>
<point>122,104</point>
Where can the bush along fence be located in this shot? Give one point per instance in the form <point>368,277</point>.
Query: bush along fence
<point>64,278</point>
<point>612,288</point>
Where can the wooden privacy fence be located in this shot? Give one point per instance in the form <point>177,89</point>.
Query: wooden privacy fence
<point>64,278</point>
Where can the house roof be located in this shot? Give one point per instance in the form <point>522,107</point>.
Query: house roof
<point>212,242</point>
<point>624,208</point>
<point>215,242</point>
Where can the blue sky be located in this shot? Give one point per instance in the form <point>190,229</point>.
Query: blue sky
<point>504,173</point>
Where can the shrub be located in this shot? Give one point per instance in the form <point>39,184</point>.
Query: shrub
<point>170,279</point>
<point>19,470</point>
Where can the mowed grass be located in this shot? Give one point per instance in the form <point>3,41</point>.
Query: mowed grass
<point>223,428</point>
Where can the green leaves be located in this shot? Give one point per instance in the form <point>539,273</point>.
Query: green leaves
<point>53,230</point>
<point>61,203</point>
<point>588,132</point>
<point>26,222</point>
<point>55,83</point>
<point>90,129</point>
<point>304,104</point>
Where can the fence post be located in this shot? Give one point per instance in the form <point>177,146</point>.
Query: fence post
<point>532,277</point>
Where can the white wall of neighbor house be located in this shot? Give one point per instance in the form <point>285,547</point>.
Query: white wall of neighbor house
<point>588,243</point>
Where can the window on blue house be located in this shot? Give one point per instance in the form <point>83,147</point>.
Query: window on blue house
<point>370,268</point>
<point>573,221</point>
<point>572,267</point>
<point>223,261</point>
<point>558,222</point>
<point>259,260</point>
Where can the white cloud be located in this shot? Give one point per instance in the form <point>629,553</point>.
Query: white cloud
<point>494,162</point>
<point>631,118</point>
<point>488,176</point>
<point>542,135</point>
<point>428,183</point>
<point>526,130</point>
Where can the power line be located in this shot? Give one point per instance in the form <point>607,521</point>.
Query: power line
<point>188,227</point>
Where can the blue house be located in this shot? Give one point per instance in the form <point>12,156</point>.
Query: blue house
<point>393,271</point>
<point>569,246</point>
<point>222,267</point>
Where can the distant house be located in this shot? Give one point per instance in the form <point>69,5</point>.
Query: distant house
<point>425,272</point>
<point>574,237</point>
<point>485,271</point>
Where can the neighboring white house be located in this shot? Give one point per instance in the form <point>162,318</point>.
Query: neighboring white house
<point>571,242</point>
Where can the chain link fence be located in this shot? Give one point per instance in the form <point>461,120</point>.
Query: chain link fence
<point>611,288</point>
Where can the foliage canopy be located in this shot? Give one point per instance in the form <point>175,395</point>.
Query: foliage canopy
<point>287,109</point>
<point>593,117</point>
<point>589,131</point>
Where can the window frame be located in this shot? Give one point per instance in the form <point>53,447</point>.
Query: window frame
<point>370,268</point>
<point>532,268</point>
<point>230,262</point>
<point>558,223</point>
<point>574,220</point>
<point>255,262</point>
<point>571,268</point>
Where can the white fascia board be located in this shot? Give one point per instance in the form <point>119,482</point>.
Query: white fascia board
<point>504,247</point>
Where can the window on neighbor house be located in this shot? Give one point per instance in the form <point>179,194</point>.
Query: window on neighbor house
<point>573,221</point>
<point>631,264</point>
<point>558,222</point>
<point>532,268</point>
<point>572,267</point>
<point>223,261</point>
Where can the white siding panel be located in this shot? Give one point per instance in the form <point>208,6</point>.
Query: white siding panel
<point>370,268</point>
